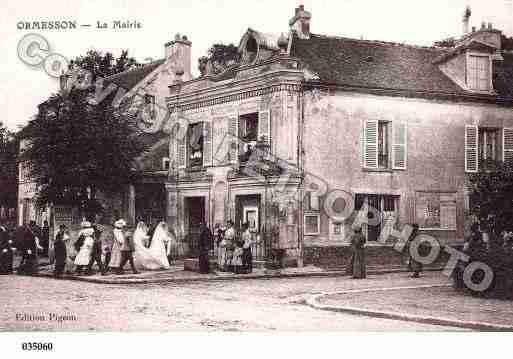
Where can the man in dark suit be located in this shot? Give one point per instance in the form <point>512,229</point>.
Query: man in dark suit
<point>205,241</point>
<point>6,251</point>
<point>61,252</point>
<point>96,255</point>
<point>127,250</point>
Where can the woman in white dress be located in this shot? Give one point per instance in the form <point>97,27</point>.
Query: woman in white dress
<point>158,245</point>
<point>143,257</point>
<point>84,255</point>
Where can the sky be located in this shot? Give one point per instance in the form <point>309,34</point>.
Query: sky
<point>206,22</point>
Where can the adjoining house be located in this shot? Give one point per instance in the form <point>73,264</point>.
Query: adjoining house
<point>305,126</point>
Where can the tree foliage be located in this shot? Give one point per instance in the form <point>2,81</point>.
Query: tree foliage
<point>491,196</point>
<point>76,147</point>
<point>221,56</point>
<point>8,168</point>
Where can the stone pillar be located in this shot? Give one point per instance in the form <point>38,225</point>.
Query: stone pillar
<point>131,205</point>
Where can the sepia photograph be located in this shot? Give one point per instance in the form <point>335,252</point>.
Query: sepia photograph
<point>261,167</point>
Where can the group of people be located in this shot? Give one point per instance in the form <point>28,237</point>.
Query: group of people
<point>234,254</point>
<point>357,266</point>
<point>23,241</point>
<point>140,248</point>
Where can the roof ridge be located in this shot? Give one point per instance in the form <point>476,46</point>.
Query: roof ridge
<point>379,42</point>
<point>132,69</point>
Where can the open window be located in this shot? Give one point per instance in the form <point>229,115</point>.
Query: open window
<point>195,145</point>
<point>248,133</point>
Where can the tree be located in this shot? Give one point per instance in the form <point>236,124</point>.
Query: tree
<point>221,56</point>
<point>76,147</point>
<point>8,168</point>
<point>491,194</point>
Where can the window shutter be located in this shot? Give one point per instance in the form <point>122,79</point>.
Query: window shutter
<point>264,125</point>
<point>507,144</point>
<point>182,149</point>
<point>399,145</point>
<point>471,148</point>
<point>371,144</point>
<point>207,143</point>
<point>233,130</point>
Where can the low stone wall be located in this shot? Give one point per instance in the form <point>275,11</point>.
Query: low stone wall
<point>375,255</point>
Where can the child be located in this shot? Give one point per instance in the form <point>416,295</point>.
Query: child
<point>247,257</point>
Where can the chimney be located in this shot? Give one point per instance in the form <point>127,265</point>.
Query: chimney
<point>300,23</point>
<point>178,55</point>
<point>466,18</point>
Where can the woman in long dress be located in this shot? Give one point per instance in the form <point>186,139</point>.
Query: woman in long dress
<point>144,258</point>
<point>357,267</point>
<point>119,236</point>
<point>84,255</point>
<point>158,247</point>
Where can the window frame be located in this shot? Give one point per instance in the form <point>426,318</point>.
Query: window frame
<point>188,152</point>
<point>318,217</point>
<point>469,72</point>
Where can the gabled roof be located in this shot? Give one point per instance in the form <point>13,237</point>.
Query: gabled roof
<point>373,64</point>
<point>128,79</point>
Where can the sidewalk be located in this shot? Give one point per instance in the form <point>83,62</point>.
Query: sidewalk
<point>429,304</point>
<point>176,274</point>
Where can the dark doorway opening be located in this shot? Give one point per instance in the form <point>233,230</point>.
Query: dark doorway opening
<point>194,215</point>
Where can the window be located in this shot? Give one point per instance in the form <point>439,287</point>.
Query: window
<point>488,143</point>
<point>312,224</point>
<point>195,145</point>
<point>165,163</point>
<point>383,145</point>
<point>436,210</point>
<point>149,101</point>
<point>478,73</point>
<point>248,133</point>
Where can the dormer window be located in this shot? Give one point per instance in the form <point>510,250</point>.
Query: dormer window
<point>478,72</point>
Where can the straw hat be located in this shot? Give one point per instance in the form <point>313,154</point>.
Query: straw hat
<point>120,223</point>
<point>85,224</point>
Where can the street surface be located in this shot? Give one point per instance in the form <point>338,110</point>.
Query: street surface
<point>243,305</point>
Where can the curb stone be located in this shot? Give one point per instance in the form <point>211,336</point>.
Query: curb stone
<point>313,301</point>
<point>100,280</point>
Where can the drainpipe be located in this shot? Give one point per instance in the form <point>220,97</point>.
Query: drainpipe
<point>300,262</point>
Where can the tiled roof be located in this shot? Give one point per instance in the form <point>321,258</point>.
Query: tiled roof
<point>385,65</point>
<point>130,78</point>
<point>373,64</point>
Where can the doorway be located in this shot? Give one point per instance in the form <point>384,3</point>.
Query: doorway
<point>386,207</point>
<point>194,215</point>
<point>248,210</point>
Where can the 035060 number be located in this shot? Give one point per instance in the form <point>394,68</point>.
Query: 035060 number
<point>37,346</point>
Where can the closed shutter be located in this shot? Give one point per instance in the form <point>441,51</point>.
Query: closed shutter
<point>233,129</point>
<point>471,148</point>
<point>264,126</point>
<point>507,144</point>
<point>207,143</point>
<point>182,149</point>
<point>370,154</point>
<point>399,145</point>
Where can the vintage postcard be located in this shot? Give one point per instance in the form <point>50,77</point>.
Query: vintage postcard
<point>271,166</point>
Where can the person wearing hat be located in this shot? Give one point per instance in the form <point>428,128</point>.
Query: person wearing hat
<point>127,252</point>
<point>357,267</point>
<point>119,239</point>
<point>84,255</point>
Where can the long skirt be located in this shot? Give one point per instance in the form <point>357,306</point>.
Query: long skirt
<point>357,267</point>
<point>115,256</point>
<point>247,260</point>
<point>203,262</point>
<point>221,257</point>
<point>6,260</point>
